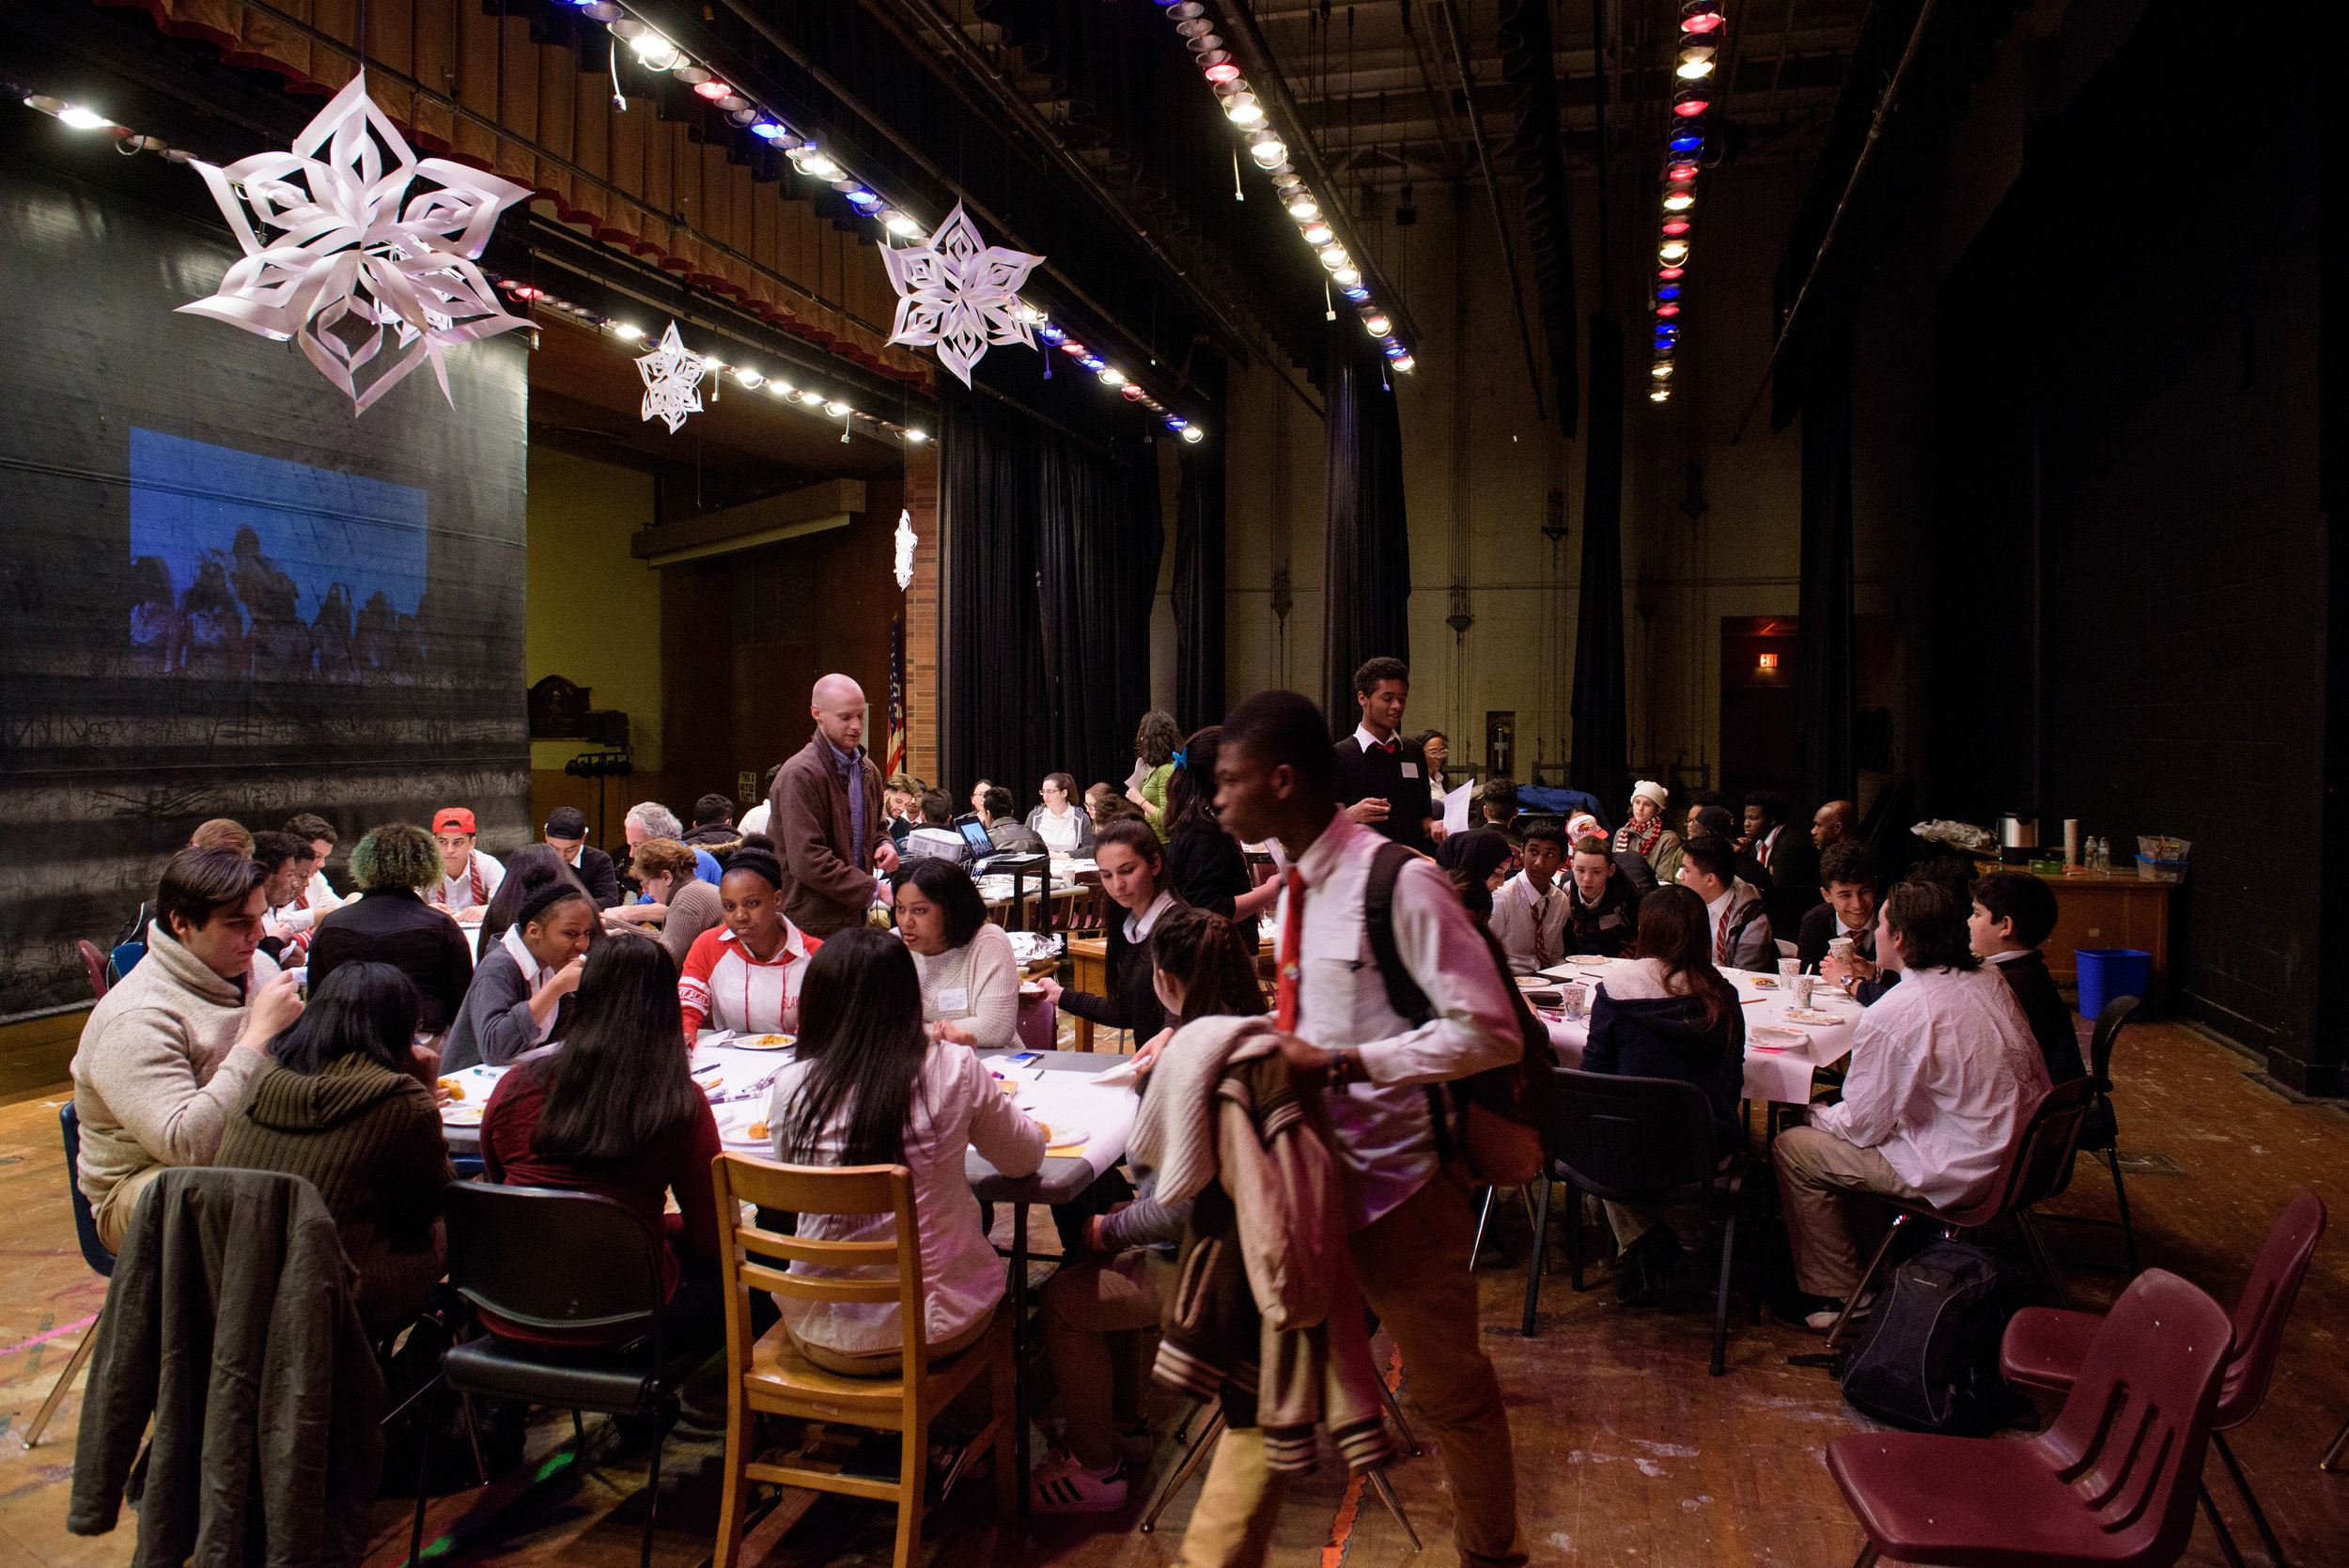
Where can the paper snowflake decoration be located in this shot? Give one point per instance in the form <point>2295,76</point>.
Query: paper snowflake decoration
<point>960,293</point>
<point>905,550</point>
<point>673,381</point>
<point>333,260</point>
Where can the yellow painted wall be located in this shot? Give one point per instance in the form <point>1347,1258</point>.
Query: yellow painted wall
<point>593,608</point>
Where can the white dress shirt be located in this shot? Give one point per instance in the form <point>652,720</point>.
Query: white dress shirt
<point>1384,1134</point>
<point>1944,1075</point>
<point>456,891</point>
<point>754,820</point>
<point>1530,925</point>
<point>1138,926</point>
<point>1059,833</point>
<point>316,899</point>
<point>535,974</point>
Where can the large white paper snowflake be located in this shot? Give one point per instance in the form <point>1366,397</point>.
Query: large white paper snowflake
<point>958,292</point>
<point>332,260</point>
<point>673,381</point>
<point>905,541</point>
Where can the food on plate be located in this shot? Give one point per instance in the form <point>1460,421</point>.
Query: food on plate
<point>1586,958</point>
<point>1771,1037</point>
<point>771,1042</point>
<point>1765,982</point>
<point>757,1129</point>
<point>455,1089</point>
<point>1811,1014</point>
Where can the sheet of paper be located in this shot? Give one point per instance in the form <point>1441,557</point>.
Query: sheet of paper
<point>1141,771</point>
<point>1455,809</point>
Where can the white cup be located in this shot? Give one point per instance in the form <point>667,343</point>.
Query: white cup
<point>1789,968</point>
<point>1802,984</point>
<point>1842,947</point>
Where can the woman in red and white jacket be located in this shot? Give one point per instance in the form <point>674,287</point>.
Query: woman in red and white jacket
<point>745,974</point>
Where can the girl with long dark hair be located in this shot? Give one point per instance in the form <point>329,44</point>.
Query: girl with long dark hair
<point>1134,875</point>
<point>527,869</point>
<point>1094,1311</point>
<point>616,1111</point>
<point>1204,863</point>
<point>1157,739</point>
<point>346,1104</point>
<point>970,975</point>
<point>866,1085</point>
<point>1667,1014</point>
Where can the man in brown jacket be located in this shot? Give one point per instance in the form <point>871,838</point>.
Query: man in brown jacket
<point>824,811</point>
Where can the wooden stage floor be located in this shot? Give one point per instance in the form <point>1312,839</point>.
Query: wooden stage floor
<point>1628,1452</point>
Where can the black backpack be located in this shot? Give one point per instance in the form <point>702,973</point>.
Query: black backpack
<point>1504,1112</point>
<point>1927,1359</point>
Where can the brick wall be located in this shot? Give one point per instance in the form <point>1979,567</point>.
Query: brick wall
<point>922,621</point>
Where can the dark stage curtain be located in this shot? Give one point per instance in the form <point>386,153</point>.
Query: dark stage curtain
<point>1052,548</point>
<point>1823,649</point>
<point>1366,578</point>
<point>1601,764</point>
<point>1199,568</point>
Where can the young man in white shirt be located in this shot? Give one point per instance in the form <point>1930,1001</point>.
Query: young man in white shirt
<point>1944,1076</point>
<point>314,899</point>
<point>468,878</point>
<point>1412,1224</point>
<point>1732,910</point>
<point>1530,910</point>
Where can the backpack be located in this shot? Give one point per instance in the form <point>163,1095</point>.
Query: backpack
<point>1505,1113</point>
<point>1927,1359</point>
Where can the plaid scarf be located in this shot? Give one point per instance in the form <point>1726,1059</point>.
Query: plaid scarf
<point>481,884</point>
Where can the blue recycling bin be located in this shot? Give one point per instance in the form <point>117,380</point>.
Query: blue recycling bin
<point>2107,973</point>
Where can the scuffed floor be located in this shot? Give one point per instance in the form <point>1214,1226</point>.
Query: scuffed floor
<point>1627,1453</point>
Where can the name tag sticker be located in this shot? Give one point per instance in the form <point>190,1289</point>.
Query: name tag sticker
<point>954,999</point>
<point>1410,770</point>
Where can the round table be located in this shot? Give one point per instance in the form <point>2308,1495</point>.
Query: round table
<point>1780,1076</point>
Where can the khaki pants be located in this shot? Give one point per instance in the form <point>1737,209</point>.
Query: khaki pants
<point>1816,1172</point>
<point>1414,1267</point>
<point>113,1215</point>
<point>1093,1317</point>
<point>888,1363</point>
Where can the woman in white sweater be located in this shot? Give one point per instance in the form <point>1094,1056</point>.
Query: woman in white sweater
<point>866,1086</point>
<point>968,975</point>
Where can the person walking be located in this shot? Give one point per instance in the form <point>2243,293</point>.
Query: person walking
<point>828,825</point>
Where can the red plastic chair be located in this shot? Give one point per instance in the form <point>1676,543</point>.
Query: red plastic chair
<point>95,962</point>
<point>1038,1023</point>
<point>2043,1349</point>
<point>2112,1481</point>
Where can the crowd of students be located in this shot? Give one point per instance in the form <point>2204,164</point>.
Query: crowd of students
<point>589,979</point>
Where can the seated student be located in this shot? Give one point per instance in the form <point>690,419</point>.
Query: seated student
<point>389,922</point>
<point>1646,835</point>
<point>527,869</point>
<point>713,826</point>
<point>680,901</point>
<point>1010,836</point>
<point>745,974</point>
<point>1530,910</point>
<point>1732,910</point>
<point>1708,821</point>
<point>1602,911</point>
<point>1790,858</point>
<point>167,1053</point>
<point>1065,825</point>
<point>936,838</point>
<point>520,996</point>
<point>2012,913</point>
<point>1848,876</point>
<point>866,1085</point>
<point>348,1105</point>
<point>468,878</point>
<point>566,835</point>
<point>1496,804</point>
<point>281,858</point>
<point>222,832</point>
<point>617,1113</point>
<point>1133,874</point>
<point>1206,865</point>
<point>1478,864</point>
<point>901,797</point>
<point>650,819</point>
<point>1667,1014</point>
<point>1944,1075</point>
<point>978,799</point>
<point>969,975</point>
<point>1105,805</point>
<point>1095,1312</point>
<point>315,899</point>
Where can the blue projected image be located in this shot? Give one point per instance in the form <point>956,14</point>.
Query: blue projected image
<point>244,567</point>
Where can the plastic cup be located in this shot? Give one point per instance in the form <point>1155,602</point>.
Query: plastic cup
<point>1802,984</point>
<point>1789,968</point>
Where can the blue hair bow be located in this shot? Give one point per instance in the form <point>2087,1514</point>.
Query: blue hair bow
<point>1182,758</point>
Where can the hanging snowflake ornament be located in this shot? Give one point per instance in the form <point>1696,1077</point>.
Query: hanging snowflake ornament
<point>958,292</point>
<point>333,261</point>
<point>905,550</point>
<point>673,381</point>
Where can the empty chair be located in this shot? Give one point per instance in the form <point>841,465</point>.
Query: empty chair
<point>93,1254</point>
<point>2040,1167</point>
<point>563,1265</point>
<point>2112,1481</point>
<point>2100,1134</point>
<point>1647,1141</point>
<point>768,1375</point>
<point>94,965</point>
<point>2044,1349</point>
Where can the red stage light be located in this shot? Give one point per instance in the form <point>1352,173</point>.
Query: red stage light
<point>1667,310</point>
<point>1675,226</point>
<point>1667,273</point>
<point>1225,73</point>
<point>713,90</point>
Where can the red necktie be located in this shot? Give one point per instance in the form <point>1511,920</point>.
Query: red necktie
<point>1541,933</point>
<point>1720,940</point>
<point>1386,746</point>
<point>1292,934</point>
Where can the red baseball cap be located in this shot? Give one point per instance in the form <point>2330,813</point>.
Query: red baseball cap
<point>452,819</point>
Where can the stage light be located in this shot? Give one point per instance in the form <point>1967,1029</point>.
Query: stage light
<point>812,399</point>
<point>1661,394</point>
<point>712,89</point>
<point>1377,325</point>
<point>1224,72</point>
<point>1405,364</point>
<point>1319,234</point>
<point>1193,435</point>
<point>1667,310</point>
<point>1679,201</point>
<point>1073,348</point>
<point>1051,334</point>
<point>1670,273</point>
<point>1333,257</point>
<point>835,410</point>
<point>1304,208</point>
<point>1355,292</point>
<point>749,377</point>
<point>1661,371</point>
<point>1694,71</point>
<point>711,362</point>
<point>898,223</point>
<point>1688,103</point>
<point>1686,139</point>
<point>863,198</point>
<point>79,119</point>
<point>1176,422</point>
<point>1267,150</point>
<point>1131,392</point>
<point>1395,351</point>
<point>1675,226</point>
<point>629,329</point>
<point>1111,376</point>
<point>1680,171</point>
<point>1673,250</point>
<point>766,129</point>
<point>816,164</point>
<point>655,51</point>
<point>1670,291</point>
<point>1700,16</point>
<point>917,437</point>
<point>1349,277</point>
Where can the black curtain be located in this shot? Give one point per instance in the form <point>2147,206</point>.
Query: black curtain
<point>1823,649</point>
<point>1528,65</point>
<point>1199,697</point>
<point>1601,762</point>
<point>1366,577</point>
<point>1052,553</point>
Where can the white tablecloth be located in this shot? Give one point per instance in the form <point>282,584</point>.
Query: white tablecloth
<point>1770,1075</point>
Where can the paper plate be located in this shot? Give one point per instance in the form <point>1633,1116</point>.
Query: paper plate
<point>763,1042</point>
<point>735,1128</point>
<point>1067,1139</point>
<point>1765,982</point>
<point>460,1115</point>
<point>1586,959</point>
<point>1535,983</point>
<point>1811,1014</point>
<point>1779,1039</point>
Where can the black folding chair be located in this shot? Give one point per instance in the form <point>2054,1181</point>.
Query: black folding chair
<point>2100,1134</point>
<point>1645,1141</point>
<point>544,1259</point>
<point>93,1254</point>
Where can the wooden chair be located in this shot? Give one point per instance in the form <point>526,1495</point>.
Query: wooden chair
<point>770,1376</point>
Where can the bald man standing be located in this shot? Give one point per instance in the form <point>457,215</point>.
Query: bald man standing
<point>824,811</point>
<point>1834,822</point>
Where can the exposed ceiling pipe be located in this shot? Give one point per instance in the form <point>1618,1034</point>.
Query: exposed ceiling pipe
<point>1492,192</point>
<point>1842,205</point>
<point>1455,157</point>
